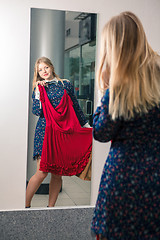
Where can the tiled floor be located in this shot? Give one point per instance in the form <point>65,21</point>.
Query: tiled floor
<point>75,192</point>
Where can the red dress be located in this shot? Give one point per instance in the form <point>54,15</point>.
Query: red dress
<point>66,146</point>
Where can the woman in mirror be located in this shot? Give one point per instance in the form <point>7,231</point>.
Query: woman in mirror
<point>49,90</point>
<point>128,203</point>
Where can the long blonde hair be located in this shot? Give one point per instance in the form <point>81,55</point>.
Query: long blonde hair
<point>36,76</point>
<point>129,67</point>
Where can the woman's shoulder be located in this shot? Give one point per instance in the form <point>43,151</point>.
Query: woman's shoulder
<point>66,83</point>
<point>65,80</point>
<point>105,98</point>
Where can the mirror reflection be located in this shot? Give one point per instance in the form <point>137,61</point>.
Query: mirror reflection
<point>68,42</point>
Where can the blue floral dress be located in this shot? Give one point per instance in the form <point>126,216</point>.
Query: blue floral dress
<point>55,91</point>
<point>128,203</point>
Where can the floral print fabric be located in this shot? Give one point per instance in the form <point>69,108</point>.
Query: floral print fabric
<point>128,203</point>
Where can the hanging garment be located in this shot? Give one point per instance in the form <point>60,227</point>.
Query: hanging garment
<point>66,145</point>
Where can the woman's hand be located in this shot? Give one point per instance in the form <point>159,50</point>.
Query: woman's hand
<point>42,83</point>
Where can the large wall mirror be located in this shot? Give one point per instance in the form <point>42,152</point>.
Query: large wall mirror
<point>69,39</point>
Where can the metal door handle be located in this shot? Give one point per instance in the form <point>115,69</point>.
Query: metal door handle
<point>89,107</point>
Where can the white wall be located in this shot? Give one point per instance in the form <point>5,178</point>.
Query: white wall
<point>14,77</point>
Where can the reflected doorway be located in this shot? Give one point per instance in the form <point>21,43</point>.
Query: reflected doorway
<point>80,69</point>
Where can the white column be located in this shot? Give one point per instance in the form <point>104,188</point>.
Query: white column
<point>46,39</point>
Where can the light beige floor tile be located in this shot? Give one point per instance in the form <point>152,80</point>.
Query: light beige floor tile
<point>64,203</point>
<point>81,182</point>
<point>86,188</point>
<point>77,179</point>
<point>67,179</point>
<point>67,184</point>
<point>63,195</point>
<point>39,200</point>
<point>73,188</point>
<point>74,195</point>
<point>39,197</point>
<point>86,185</point>
<point>82,201</point>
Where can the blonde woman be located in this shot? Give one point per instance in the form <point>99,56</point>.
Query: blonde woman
<point>44,75</point>
<point>128,204</point>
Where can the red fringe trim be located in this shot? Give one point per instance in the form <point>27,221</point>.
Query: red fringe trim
<point>75,169</point>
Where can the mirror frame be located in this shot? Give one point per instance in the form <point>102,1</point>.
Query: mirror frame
<point>59,207</point>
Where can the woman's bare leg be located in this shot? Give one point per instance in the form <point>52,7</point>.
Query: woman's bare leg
<point>34,184</point>
<point>54,189</point>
